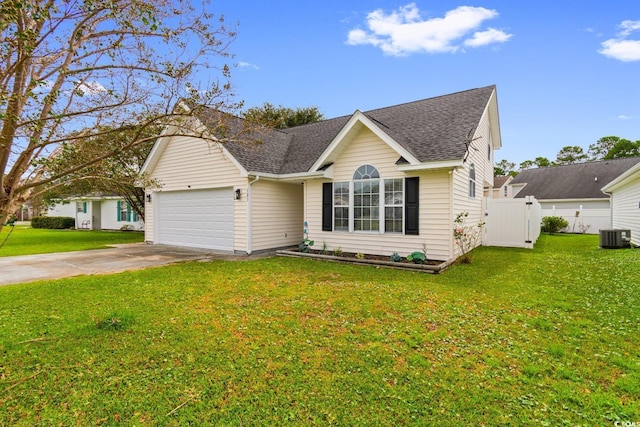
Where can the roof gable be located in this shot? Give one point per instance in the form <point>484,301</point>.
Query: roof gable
<point>576,181</point>
<point>355,124</point>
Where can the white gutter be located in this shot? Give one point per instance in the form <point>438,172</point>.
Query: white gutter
<point>446,164</point>
<point>249,215</point>
<point>292,176</point>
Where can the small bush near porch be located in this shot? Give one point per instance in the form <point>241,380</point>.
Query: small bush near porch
<point>547,336</point>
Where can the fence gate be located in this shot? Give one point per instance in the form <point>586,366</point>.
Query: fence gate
<point>513,223</point>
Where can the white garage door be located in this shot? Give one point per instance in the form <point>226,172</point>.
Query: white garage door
<point>198,218</point>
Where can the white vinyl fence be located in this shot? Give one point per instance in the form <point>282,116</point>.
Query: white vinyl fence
<point>513,223</point>
<point>587,220</point>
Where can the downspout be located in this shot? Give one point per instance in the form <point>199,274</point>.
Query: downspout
<point>452,244</point>
<point>249,215</point>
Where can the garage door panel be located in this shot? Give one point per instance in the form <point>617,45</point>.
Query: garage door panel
<point>196,218</point>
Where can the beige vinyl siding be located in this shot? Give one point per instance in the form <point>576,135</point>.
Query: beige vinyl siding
<point>190,163</point>
<point>477,156</point>
<point>625,202</point>
<point>277,219</point>
<point>435,209</point>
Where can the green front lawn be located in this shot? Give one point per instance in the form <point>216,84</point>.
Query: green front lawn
<point>542,337</point>
<point>24,240</point>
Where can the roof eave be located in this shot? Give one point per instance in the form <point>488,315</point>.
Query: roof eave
<point>299,176</point>
<point>621,179</point>
<point>443,164</point>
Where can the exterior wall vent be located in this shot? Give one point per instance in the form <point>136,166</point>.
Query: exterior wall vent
<point>614,239</point>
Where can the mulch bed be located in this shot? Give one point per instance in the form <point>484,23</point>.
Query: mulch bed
<point>352,255</point>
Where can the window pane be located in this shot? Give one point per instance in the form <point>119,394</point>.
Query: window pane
<point>341,206</point>
<point>341,218</point>
<point>341,194</point>
<point>366,205</point>
<point>394,201</point>
<point>393,220</point>
<point>366,172</point>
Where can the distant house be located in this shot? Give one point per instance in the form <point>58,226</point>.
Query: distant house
<point>501,188</point>
<point>574,191</point>
<point>382,181</point>
<point>98,213</point>
<point>625,202</point>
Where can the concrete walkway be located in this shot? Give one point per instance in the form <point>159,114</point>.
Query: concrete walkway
<point>134,256</point>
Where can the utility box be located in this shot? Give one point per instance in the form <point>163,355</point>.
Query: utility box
<point>615,239</point>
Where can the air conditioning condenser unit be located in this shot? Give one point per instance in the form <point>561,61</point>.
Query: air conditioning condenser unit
<point>614,239</point>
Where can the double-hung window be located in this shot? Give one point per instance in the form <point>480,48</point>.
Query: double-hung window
<point>393,205</point>
<point>341,206</point>
<point>125,212</point>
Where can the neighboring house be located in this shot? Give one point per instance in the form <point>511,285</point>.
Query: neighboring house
<point>98,213</point>
<point>574,191</point>
<point>501,188</point>
<point>382,181</point>
<point>625,202</point>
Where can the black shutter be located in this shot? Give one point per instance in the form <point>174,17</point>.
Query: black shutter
<point>327,206</point>
<point>411,205</point>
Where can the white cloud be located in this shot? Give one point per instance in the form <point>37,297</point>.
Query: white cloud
<point>621,48</point>
<point>625,117</point>
<point>404,31</point>
<point>243,64</point>
<point>90,88</point>
<point>482,38</point>
<point>627,27</point>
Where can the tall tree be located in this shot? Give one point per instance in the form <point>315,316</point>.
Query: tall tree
<point>71,70</point>
<point>539,162</point>
<point>118,174</point>
<point>504,167</point>
<point>599,150</point>
<point>623,148</point>
<point>282,117</point>
<point>571,154</point>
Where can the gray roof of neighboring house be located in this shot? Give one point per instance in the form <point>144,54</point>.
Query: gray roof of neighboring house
<point>576,181</point>
<point>431,129</point>
<point>500,180</point>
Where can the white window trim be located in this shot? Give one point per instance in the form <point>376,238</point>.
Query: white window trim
<point>381,207</point>
<point>385,205</point>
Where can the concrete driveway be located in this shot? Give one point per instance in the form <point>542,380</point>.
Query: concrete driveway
<point>134,256</point>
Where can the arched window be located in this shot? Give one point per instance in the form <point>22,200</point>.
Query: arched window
<point>472,181</point>
<point>366,199</point>
<point>366,172</point>
<point>369,203</point>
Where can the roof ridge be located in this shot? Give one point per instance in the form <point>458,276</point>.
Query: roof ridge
<point>588,162</point>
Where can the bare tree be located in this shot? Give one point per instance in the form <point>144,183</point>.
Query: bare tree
<point>72,69</point>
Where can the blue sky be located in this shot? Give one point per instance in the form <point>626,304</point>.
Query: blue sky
<point>567,71</point>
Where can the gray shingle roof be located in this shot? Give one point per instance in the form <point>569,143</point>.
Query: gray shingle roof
<point>499,181</point>
<point>431,130</point>
<point>577,181</point>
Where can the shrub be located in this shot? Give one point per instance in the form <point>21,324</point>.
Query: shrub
<point>417,257</point>
<point>305,245</point>
<point>553,224</point>
<point>395,257</point>
<point>465,236</point>
<point>53,222</point>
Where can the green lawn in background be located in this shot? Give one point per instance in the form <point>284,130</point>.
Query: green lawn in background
<point>548,336</point>
<point>24,240</point>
